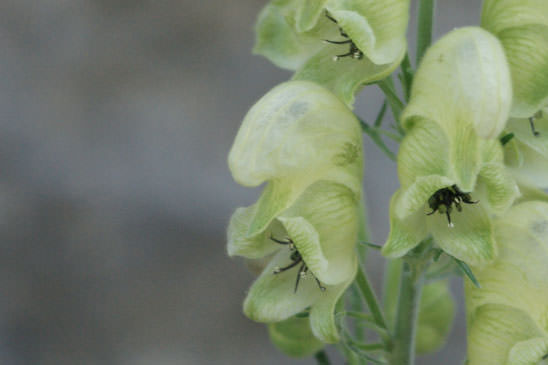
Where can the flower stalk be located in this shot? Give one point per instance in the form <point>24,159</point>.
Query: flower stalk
<point>403,350</point>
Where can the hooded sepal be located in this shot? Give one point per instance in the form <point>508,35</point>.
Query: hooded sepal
<point>463,83</point>
<point>522,27</point>
<point>290,137</point>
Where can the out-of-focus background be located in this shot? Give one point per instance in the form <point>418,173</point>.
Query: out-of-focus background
<point>116,117</point>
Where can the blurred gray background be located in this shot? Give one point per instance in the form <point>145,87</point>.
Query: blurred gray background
<point>116,117</point>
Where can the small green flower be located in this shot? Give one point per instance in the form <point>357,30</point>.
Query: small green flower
<point>449,161</point>
<point>522,27</point>
<point>508,316</point>
<point>368,36</point>
<point>306,144</point>
<point>294,337</point>
<point>527,154</point>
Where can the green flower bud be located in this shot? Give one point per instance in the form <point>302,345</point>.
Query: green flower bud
<point>508,316</point>
<point>306,144</point>
<point>522,27</point>
<point>436,314</point>
<point>294,337</point>
<point>306,36</point>
<point>527,154</point>
<point>461,93</point>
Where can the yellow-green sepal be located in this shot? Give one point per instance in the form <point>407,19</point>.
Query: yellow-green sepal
<point>289,137</point>
<point>287,32</point>
<point>463,79</point>
<point>522,27</point>
<point>294,337</point>
<point>500,334</point>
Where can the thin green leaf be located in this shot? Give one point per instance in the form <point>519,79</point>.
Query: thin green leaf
<point>396,105</point>
<point>468,272</point>
<point>380,116</point>
<point>372,245</point>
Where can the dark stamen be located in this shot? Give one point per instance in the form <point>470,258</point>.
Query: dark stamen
<point>443,199</point>
<point>353,52</point>
<point>296,259</point>
<point>532,123</point>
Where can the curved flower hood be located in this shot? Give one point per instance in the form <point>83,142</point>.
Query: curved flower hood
<point>305,143</point>
<point>449,160</point>
<point>291,34</point>
<point>508,316</point>
<point>522,27</point>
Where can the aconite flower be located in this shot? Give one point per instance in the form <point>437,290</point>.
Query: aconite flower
<point>508,316</point>
<point>366,37</point>
<point>527,154</point>
<point>306,145</point>
<point>522,27</point>
<point>449,161</point>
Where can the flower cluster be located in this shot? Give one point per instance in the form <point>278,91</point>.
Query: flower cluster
<point>472,164</point>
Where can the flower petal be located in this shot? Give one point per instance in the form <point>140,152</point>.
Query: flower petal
<point>528,352</point>
<point>240,244</point>
<point>323,224</point>
<point>470,239</point>
<point>280,33</point>
<point>322,319</point>
<point>294,337</point>
<point>522,27</point>
<point>463,79</point>
<point>346,76</point>
<point>518,277</point>
<point>500,188</point>
<point>495,330</point>
<point>272,297</point>
<point>423,152</point>
<point>290,133</point>
<point>404,234</point>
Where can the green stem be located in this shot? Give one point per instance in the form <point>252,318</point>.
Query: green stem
<point>403,350</point>
<point>391,290</point>
<point>424,31</point>
<point>372,132</point>
<point>371,300</point>
<point>396,105</point>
